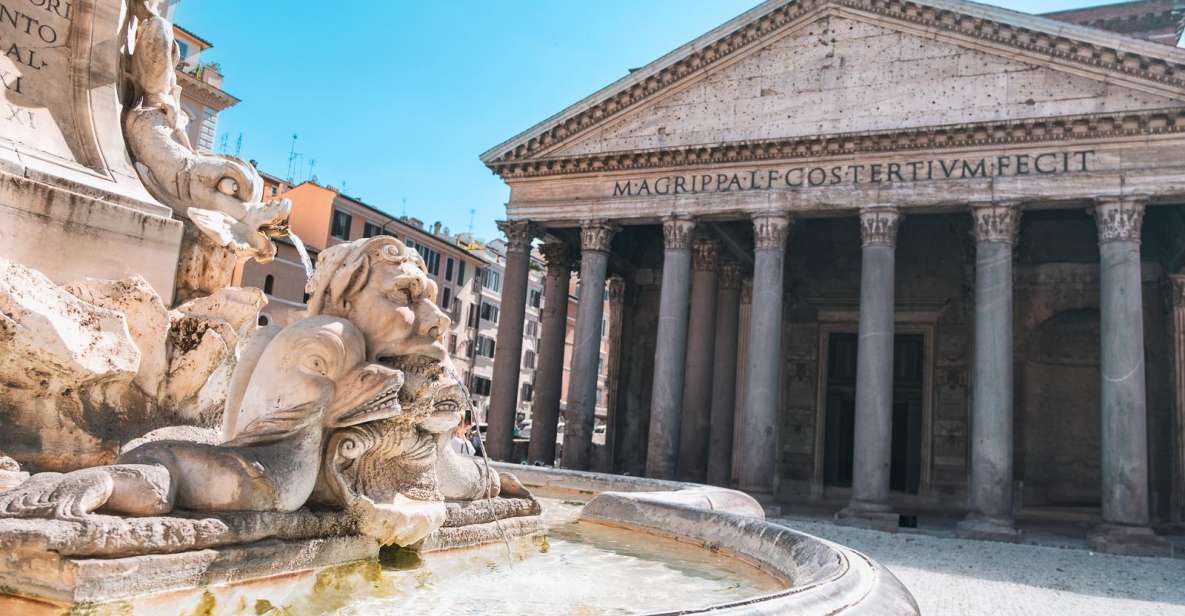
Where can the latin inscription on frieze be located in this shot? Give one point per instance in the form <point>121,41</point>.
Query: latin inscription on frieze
<point>806,177</point>
<point>35,72</point>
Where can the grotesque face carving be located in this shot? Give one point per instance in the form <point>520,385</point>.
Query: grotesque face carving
<point>382,286</point>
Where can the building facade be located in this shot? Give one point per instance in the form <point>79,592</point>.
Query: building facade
<point>899,256</point>
<point>202,96</point>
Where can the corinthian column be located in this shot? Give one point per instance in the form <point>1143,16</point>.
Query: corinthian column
<point>869,506</point>
<point>1177,291</point>
<point>1124,408</point>
<point>580,418</point>
<point>724,376</point>
<point>549,375</point>
<point>996,226</point>
<point>699,364</point>
<point>759,436</point>
<point>666,398</point>
<point>508,354</point>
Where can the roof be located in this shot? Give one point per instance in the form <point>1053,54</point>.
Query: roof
<point>1029,34</point>
<point>203,42</point>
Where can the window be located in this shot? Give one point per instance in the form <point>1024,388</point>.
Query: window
<point>452,344</point>
<point>485,346</point>
<point>341,225</point>
<point>489,312</point>
<point>528,392</point>
<point>472,318</point>
<point>529,360</point>
<point>370,230</point>
<point>536,298</point>
<point>445,297</point>
<point>269,282</point>
<point>532,328</point>
<point>448,269</point>
<point>461,273</point>
<point>491,280</point>
<point>469,349</point>
<point>481,386</point>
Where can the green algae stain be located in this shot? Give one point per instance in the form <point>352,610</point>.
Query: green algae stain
<point>206,605</point>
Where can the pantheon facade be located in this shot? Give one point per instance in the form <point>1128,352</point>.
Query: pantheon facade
<point>900,257</point>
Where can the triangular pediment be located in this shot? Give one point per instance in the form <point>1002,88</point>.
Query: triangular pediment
<point>841,75</point>
<point>800,68</point>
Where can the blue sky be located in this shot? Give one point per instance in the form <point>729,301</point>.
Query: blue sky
<point>395,100</point>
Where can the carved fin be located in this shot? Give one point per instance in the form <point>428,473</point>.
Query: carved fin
<point>279,425</point>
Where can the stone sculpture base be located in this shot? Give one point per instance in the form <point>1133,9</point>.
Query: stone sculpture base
<point>1129,541</point>
<point>56,563</point>
<point>874,517</point>
<point>987,529</point>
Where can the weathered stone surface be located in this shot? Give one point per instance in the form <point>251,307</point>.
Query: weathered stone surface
<point>842,75</point>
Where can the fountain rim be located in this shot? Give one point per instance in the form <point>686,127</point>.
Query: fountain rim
<point>822,577</point>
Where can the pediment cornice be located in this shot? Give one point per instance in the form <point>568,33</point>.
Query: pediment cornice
<point>1053,129</point>
<point>1148,66</point>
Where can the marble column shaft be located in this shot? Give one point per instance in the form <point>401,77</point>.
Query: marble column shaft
<point>580,418</point>
<point>1124,408</point>
<point>508,352</point>
<point>724,376</point>
<point>699,363</point>
<point>759,435</point>
<point>549,371</point>
<point>996,226</point>
<point>1177,291</point>
<point>874,361</point>
<point>666,398</point>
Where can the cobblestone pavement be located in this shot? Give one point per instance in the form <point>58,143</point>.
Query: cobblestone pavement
<point>967,578</point>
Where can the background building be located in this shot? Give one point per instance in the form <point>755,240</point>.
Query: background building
<point>963,229</point>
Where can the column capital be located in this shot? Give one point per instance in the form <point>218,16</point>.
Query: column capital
<point>677,232</point>
<point>519,234</point>
<point>996,221</point>
<point>878,225</point>
<point>771,229</point>
<point>747,291</point>
<point>730,274</point>
<point>597,234</point>
<point>615,288</point>
<point>558,257</point>
<point>1176,288</point>
<point>705,254</point>
<point>1119,218</point>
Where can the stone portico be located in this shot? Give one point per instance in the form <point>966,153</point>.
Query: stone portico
<point>896,256</point>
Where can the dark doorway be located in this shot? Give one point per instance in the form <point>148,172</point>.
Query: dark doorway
<point>908,386</point>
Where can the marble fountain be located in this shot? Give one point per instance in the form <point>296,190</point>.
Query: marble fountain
<point>164,454</point>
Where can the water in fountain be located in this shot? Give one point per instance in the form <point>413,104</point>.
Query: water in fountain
<point>304,253</point>
<point>452,374</point>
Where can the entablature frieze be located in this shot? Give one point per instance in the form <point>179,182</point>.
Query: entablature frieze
<point>1040,176</point>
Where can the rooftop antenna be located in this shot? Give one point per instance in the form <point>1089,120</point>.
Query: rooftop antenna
<point>405,207</point>
<point>292,158</point>
<point>345,188</point>
<point>312,166</point>
<point>472,213</point>
<point>239,145</point>
<point>223,146</point>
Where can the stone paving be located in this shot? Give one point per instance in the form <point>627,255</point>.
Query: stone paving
<point>968,578</point>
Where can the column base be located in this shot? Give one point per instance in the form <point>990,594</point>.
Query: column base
<point>984,528</point>
<point>1128,541</point>
<point>873,516</point>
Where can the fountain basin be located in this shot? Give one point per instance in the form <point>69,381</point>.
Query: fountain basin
<point>821,577</point>
<point>617,545</point>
